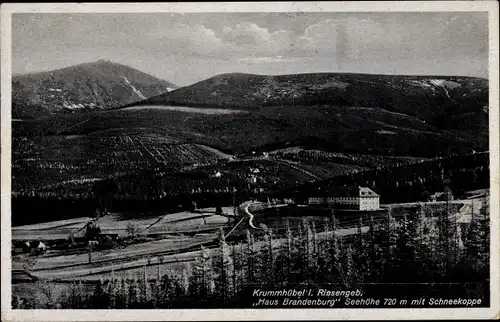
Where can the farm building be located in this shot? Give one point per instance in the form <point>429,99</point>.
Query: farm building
<point>41,247</point>
<point>20,247</point>
<point>252,179</point>
<point>353,198</point>
<point>216,174</point>
<point>93,242</point>
<point>254,170</point>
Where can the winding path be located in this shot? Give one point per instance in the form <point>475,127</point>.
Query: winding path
<point>244,208</point>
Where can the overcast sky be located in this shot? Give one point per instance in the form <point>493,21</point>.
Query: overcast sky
<point>186,48</point>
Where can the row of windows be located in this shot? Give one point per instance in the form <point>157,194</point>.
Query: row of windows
<point>363,203</point>
<point>330,199</point>
<point>369,204</point>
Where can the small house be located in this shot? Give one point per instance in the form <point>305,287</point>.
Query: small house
<point>258,190</point>
<point>254,170</point>
<point>41,247</point>
<point>252,179</point>
<point>93,242</point>
<point>20,247</point>
<point>216,174</point>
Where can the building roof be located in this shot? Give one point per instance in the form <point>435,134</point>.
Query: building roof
<point>345,191</point>
<point>367,192</point>
<point>20,243</point>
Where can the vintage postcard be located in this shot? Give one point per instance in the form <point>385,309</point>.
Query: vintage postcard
<point>250,161</point>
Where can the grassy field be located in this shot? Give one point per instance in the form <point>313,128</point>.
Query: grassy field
<point>190,224</point>
<point>117,223</point>
<point>127,253</point>
<point>59,229</point>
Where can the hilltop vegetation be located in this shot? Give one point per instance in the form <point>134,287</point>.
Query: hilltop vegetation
<point>88,86</point>
<point>429,98</point>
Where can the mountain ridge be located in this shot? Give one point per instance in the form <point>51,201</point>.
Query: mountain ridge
<point>86,86</point>
<point>431,98</point>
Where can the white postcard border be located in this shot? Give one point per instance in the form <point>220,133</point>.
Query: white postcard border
<point>248,314</point>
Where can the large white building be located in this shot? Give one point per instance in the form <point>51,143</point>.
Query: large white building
<point>354,198</point>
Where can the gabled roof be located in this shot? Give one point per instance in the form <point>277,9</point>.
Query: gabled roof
<point>345,191</point>
<point>367,192</point>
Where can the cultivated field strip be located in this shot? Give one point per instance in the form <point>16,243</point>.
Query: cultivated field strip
<point>54,224</point>
<point>137,255</point>
<point>60,229</point>
<point>134,264</point>
<point>192,224</point>
<point>112,256</point>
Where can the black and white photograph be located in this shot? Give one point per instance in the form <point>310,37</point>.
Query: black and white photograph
<point>222,156</point>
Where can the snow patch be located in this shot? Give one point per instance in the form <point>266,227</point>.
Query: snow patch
<point>444,83</point>
<point>386,132</point>
<point>73,106</point>
<point>420,83</point>
<point>185,109</point>
<point>437,82</point>
<point>136,91</point>
<point>169,89</point>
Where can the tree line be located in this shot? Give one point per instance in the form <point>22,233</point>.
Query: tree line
<point>414,182</point>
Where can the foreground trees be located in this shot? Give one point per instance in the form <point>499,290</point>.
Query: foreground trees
<point>428,248</point>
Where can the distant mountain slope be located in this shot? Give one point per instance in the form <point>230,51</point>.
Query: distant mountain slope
<point>88,86</point>
<point>430,98</point>
<point>336,129</point>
